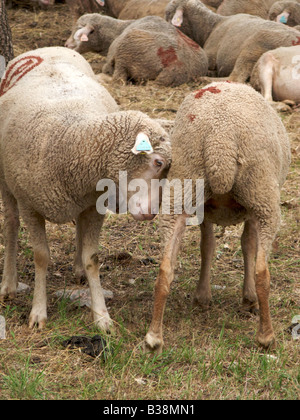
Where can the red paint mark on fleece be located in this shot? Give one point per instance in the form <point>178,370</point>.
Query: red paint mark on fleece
<point>167,57</point>
<point>296,42</point>
<point>201,92</point>
<point>191,117</point>
<point>18,70</point>
<point>188,40</point>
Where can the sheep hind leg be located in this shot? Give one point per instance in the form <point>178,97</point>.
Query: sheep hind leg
<point>154,337</point>
<point>208,244</point>
<point>120,73</point>
<point>36,226</point>
<point>267,226</point>
<point>265,335</point>
<point>246,61</point>
<point>249,248</point>
<point>266,73</point>
<point>11,229</point>
<point>90,224</point>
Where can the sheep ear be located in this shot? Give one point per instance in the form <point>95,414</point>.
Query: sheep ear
<point>82,34</point>
<point>178,18</point>
<point>142,144</point>
<point>283,17</point>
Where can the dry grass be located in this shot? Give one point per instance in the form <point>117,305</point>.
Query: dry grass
<point>207,356</point>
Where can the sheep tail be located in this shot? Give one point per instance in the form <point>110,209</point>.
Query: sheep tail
<point>221,164</point>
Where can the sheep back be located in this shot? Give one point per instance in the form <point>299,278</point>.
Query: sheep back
<point>228,135</point>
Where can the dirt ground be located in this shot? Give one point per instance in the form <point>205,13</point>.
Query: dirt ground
<point>130,251</point>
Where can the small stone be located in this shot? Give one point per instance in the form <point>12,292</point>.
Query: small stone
<point>2,328</point>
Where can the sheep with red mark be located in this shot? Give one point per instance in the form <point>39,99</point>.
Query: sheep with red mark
<point>61,133</point>
<point>227,135</point>
<point>141,50</point>
<point>233,43</point>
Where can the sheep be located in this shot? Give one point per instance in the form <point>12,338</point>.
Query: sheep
<point>155,50</point>
<point>212,3</point>
<point>145,49</point>
<point>277,74</point>
<point>60,133</point>
<point>79,7</point>
<point>41,3</point>
<point>253,7</point>
<point>286,12</point>
<point>121,9</point>
<point>227,135</point>
<point>233,44</point>
<point>136,9</point>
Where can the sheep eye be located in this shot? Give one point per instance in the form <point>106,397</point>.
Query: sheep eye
<point>158,163</point>
<point>92,31</point>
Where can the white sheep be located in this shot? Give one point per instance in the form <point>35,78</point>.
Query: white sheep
<point>229,136</point>
<point>60,133</point>
<point>233,44</point>
<point>277,74</point>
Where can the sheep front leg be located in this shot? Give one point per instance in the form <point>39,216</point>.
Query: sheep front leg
<point>11,228</point>
<point>78,265</point>
<point>36,226</point>
<point>90,223</point>
<point>154,337</point>
<point>208,244</point>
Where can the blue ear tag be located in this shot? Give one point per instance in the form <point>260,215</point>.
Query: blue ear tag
<point>142,144</point>
<point>283,19</point>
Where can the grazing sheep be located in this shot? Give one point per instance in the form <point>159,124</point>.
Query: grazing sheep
<point>233,44</point>
<point>286,12</point>
<point>144,49</point>
<point>61,132</point>
<point>229,136</point>
<point>277,74</point>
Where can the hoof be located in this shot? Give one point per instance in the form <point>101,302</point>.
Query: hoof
<point>36,320</point>
<point>266,340</point>
<point>8,292</point>
<point>153,343</point>
<point>8,296</point>
<point>104,322</point>
<point>249,306</point>
<point>202,302</point>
